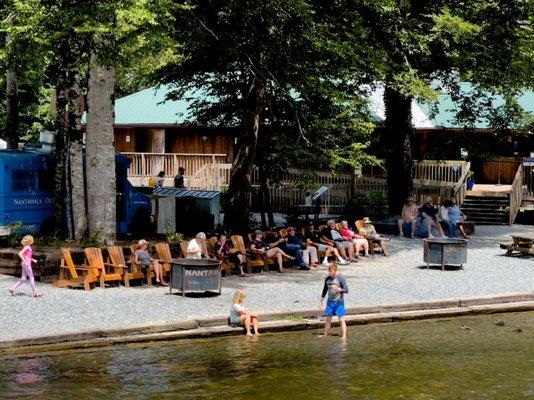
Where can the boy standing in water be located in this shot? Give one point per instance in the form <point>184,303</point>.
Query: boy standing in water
<point>335,285</point>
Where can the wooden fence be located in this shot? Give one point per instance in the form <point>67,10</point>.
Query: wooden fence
<point>145,165</point>
<point>289,194</point>
<point>440,179</point>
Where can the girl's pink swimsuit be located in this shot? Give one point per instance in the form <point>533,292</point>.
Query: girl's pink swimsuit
<point>27,272</point>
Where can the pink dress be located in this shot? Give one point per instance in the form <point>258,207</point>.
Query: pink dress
<point>27,272</point>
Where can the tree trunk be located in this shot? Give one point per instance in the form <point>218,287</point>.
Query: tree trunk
<point>397,139</point>
<point>77,185</point>
<point>12,111</point>
<point>100,151</point>
<point>12,106</point>
<point>237,213</point>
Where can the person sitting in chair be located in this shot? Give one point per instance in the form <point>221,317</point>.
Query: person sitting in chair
<point>360,243</point>
<point>309,253</point>
<point>331,236</point>
<point>142,257</point>
<point>429,218</point>
<point>408,217</point>
<point>313,238</point>
<point>223,247</point>
<point>294,250</point>
<point>261,247</point>
<point>445,220</point>
<point>457,217</point>
<point>369,232</point>
<point>195,248</point>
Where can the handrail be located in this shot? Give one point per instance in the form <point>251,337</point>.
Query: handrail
<point>516,194</point>
<point>459,189</point>
<point>206,155</point>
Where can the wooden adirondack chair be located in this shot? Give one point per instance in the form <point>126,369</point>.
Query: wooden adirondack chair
<point>116,256</point>
<point>113,273</point>
<point>68,273</point>
<point>254,260</point>
<point>226,265</point>
<point>164,255</point>
<point>372,245</point>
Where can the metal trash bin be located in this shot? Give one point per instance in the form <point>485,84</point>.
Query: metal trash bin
<point>445,251</point>
<point>195,275</point>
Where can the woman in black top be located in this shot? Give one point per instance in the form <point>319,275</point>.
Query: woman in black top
<point>224,248</point>
<point>259,246</point>
<point>428,216</point>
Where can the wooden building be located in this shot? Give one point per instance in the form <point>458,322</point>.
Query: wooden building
<point>145,122</point>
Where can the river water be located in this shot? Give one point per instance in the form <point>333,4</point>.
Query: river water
<point>480,357</point>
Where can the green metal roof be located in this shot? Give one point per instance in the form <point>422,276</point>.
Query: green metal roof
<point>447,108</point>
<point>150,107</point>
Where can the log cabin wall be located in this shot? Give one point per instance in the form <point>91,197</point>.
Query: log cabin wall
<point>178,140</point>
<point>125,140</point>
<point>202,141</point>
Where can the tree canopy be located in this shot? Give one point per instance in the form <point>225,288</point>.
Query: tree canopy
<point>294,75</point>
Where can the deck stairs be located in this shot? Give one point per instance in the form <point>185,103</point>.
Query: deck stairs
<point>487,210</point>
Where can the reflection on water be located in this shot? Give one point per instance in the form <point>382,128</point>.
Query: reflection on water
<point>462,358</point>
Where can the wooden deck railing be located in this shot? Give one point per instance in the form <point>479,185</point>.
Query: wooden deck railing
<point>528,182</point>
<point>459,190</point>
<point>214,176</point>
<point>516,194</point>
<point>145,165</point>
<point>440,171</point>
<point>438,179</point>
<point>284,195</point>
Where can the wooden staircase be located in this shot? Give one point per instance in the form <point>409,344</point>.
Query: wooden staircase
<point>487,210</point>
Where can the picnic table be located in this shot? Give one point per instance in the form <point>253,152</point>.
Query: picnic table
<point>522,243</point>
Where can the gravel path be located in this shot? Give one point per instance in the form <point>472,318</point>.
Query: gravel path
<point>380,280</point>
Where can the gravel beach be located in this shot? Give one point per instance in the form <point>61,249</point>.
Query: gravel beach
<point>398,278</point>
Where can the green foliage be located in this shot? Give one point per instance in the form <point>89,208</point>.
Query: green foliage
<point>93,240</point>
<point>171,235</point>
<point>50,241</point>
<point>15,236</point>
<point>372,204</point>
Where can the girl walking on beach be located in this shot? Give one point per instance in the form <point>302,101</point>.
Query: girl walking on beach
<point>26,264</point>
<point>240,316</point>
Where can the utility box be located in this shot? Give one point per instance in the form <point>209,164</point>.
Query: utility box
<point>195,210</point>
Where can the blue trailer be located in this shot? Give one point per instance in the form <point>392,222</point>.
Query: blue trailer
<point>27,194</point>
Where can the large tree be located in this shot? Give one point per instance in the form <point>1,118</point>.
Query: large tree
<point>422,46</point>
<point>264,63</point>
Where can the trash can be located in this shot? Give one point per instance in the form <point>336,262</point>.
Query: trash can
<point>195,275</point>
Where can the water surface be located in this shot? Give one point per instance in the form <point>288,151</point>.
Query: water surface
<point>462,358</point>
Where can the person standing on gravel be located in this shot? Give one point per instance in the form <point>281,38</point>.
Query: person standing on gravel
<point>26,257</point>
<point>335,286</point>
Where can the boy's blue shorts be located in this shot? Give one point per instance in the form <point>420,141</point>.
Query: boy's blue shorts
<point>335,308</point>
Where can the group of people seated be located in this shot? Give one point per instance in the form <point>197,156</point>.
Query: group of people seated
<point>303,246</point>
<point>448,216</point>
